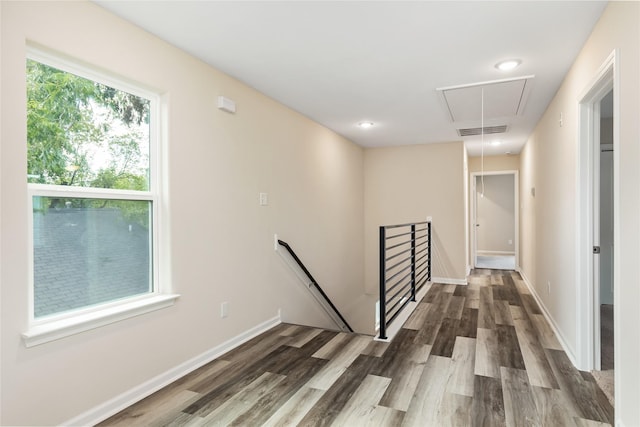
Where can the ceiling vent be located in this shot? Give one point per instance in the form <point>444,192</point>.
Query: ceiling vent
<point>488,130</point>
<point>492,105</point>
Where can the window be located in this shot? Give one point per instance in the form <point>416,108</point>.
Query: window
<point>92,179</point>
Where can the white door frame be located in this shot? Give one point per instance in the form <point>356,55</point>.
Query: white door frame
<point>516,212</point>
<point>587,296</point>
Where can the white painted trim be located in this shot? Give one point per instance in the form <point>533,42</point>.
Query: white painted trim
<point>473,236</point>
<point>111,407</point>
<point>449,281</point>
<point>561,339</point>
<point>399,321</point>
<point>65,327</point>
<point>605,78</point>
<point>488,82</point>
<point>60,325</point>
<point>617,237</point>
<point>51,190</point>
<point>516,213</point>
<point>492,253</point>
<point>47,56</point>
<point>467,212</point>
<point>487,121</point>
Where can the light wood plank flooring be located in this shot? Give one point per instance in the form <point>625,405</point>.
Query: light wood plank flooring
<point>476,355</point>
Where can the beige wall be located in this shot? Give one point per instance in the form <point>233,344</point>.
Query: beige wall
<point>495,163</point>
<point>221,239</point>
<point>548,220</point>
<point>501,163</point>
<point>408,184</point>
<point>495,212</point>
<point>528,209</point>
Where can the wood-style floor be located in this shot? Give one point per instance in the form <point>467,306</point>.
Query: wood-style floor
<point>476,355</point>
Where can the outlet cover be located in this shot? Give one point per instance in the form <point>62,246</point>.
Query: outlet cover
<point>224,309</point>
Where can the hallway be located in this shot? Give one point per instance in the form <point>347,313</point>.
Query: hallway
<point>496,262</point>
<point>480,354</point>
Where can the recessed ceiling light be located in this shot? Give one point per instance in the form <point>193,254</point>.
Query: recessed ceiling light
<point>508,65</point>
<point>495,143</point>
<point>365,125</point>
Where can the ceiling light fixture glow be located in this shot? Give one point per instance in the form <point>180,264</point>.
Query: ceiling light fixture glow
<point>508,65</point>
<point>365,125</point>
<point>495,143</point>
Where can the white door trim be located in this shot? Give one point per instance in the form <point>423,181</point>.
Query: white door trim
<point>587,299</point>
<point>516,212</point>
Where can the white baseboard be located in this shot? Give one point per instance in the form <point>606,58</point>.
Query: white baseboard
<point>399,321</point>
<point>490,253</point>
<point>449,281</point>
<point>128,398</point>
<point>561,339</point>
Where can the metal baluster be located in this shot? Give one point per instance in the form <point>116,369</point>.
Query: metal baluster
<point>413,262</point>
<point>429,251</point>
<point>383,293</point>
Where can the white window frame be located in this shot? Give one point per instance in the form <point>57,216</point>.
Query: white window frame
<point>60,325</point>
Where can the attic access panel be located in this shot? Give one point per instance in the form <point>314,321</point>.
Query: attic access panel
<point>503,99</point>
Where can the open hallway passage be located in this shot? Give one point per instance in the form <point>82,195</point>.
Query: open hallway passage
<point>476,355</point>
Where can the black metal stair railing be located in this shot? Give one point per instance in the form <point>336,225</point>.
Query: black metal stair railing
<point>405,266</point>
<point>332,309</point>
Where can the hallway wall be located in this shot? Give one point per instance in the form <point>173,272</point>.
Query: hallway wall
<point>495,163</point>
<point>548,217</point>
<point>499,163</point>
<point>408,184</point>
<point>495,214</point>
<point>221,239</point>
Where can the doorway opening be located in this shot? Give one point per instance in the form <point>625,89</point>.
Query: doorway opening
<point>494,220</point>
<point>598,213</point>
<point>603,231</point>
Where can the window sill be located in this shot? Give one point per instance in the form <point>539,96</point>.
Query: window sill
<point>57,329</point>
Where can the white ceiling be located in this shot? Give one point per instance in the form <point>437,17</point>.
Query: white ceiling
<point>341,63</point>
